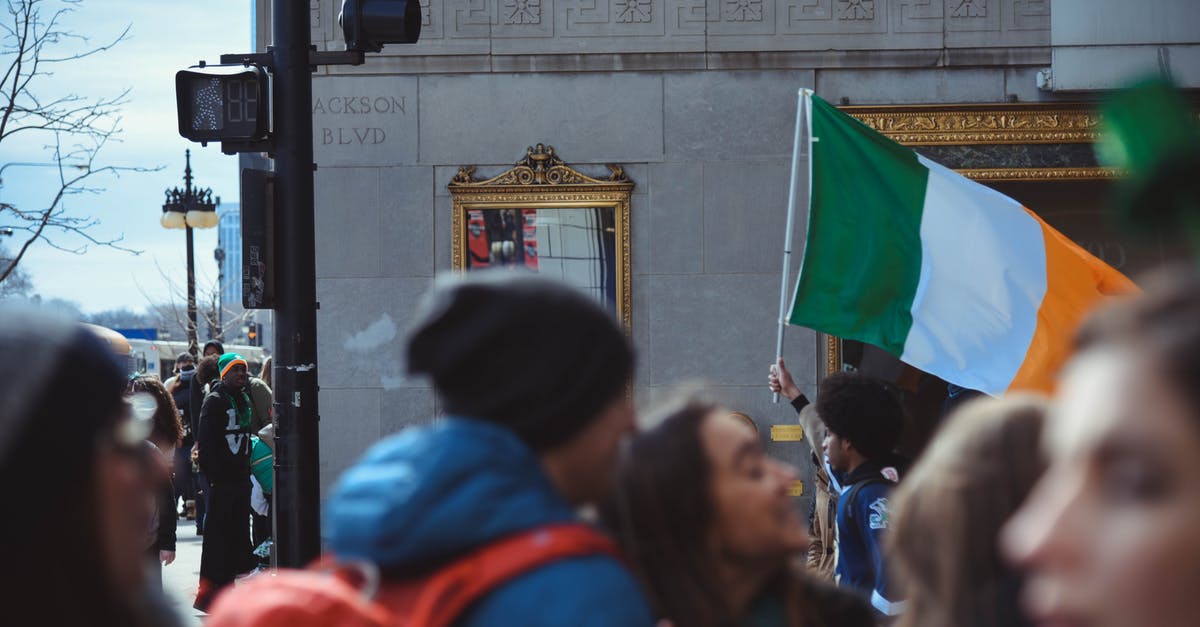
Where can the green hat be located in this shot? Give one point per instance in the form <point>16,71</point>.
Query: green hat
<point>229,360</point>
<point>1150,131</point>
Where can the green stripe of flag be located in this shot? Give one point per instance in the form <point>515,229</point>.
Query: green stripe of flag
<point>862,259</point>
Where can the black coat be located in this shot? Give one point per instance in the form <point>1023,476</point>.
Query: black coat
<point>167,517</point>
<point>224,442</point>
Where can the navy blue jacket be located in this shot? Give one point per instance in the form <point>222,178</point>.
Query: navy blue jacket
<point>421,498</point>
<point>862,523</point>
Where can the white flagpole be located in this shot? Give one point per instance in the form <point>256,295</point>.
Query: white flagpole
<point>801,102</point>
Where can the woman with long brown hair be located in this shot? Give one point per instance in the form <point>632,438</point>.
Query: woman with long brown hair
<point>708,521</point>
<point>948,511</point>
<point>166,432</point>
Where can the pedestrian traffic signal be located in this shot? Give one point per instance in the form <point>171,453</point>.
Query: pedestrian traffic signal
<point>252,334</point>
<point>369,24</point>
<point>222,103</point>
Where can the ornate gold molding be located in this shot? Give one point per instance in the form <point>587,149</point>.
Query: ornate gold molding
<point>833,354</point>
<point>541,180</point>
<point>540,166</point>
<point>1040,174</point>
<point>939,125</point>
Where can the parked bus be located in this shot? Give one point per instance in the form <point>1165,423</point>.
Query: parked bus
<point>157,357</point>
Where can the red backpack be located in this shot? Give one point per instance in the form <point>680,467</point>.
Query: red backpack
<point>343,595</point>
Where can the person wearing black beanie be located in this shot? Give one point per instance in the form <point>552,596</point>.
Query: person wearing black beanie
<point>532,377</point>
<point>521,351</point>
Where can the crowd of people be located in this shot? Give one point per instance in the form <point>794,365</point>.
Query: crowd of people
<point>536,501</point>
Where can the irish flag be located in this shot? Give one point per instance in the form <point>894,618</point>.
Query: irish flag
<point>950,276</point>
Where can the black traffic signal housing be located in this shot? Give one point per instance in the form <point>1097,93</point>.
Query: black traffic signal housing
<point>369,24</point>
<point>225,103</point>
<point>252,334</point>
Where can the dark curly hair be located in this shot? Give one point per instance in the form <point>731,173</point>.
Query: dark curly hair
<point>206,369</point>
<point>862,410</point>
<point>167,428</point>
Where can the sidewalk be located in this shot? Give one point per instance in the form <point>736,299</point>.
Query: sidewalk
<point>183,575</point>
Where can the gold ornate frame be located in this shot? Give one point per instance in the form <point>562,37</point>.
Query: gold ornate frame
<point>986,125</point>
<point>975,125</point>
<point>541,180</point>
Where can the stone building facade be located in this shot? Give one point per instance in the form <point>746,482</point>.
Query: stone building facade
<point>696,99</point>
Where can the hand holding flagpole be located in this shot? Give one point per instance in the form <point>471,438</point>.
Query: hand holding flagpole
<point>801,109</point>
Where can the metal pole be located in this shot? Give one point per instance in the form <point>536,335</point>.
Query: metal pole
<point>193,343</point>
<point>297,525</point>
<point>189,198</point>
<point>787,232</point>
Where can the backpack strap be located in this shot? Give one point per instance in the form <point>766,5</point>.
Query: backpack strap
<point>850,499</point>
<point>446,593</point>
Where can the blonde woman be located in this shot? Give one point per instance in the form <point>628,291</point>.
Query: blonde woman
<point>948,511</point>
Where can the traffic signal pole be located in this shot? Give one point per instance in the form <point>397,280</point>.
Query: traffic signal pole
<point>213,105</point>
<point>297,467</point>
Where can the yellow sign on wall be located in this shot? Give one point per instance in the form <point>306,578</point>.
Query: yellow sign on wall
<point>797,488</point>
<point>787,433</point>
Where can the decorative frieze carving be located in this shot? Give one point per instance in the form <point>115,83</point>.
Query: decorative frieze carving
<point>856,9</point>
<point>451,27</point>
<point>998,124</point>
<point>631,11</point>
<point>743,11</point>
<point>522,11</point>
<point>969,8</point>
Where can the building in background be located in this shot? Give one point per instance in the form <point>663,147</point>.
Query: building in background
<point>229,255</point>
<point>695,100</point>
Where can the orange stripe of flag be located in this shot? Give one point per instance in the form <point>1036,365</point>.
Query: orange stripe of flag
<point>1076,282</point>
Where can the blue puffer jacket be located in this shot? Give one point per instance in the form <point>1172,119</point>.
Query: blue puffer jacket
<point>430,494</point>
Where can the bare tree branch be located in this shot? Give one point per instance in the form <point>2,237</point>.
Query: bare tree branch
<point>33,40</point>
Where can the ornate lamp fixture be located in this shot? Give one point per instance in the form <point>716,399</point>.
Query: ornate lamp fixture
<point>190,208</point>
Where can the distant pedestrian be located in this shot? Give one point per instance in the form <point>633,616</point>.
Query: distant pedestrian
<point>864,422</point>
<point>262,481</point>
<point>532,375</point>
<point>180,388</point>
<point>206,374</point>
<point>74,561</point>
<point>165,435</point>
<point>265,372</point>
<point>213,348</point>
<point>946,516</point>
<point>708,522</point>
<point>1109,535</point>
<point>224,450</point>
<point>261,399</point>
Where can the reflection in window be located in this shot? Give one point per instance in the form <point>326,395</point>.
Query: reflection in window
<point>577,245</point>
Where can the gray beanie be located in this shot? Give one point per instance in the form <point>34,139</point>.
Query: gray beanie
<point>529,353</point>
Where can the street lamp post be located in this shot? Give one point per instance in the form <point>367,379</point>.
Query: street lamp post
<point>190,208</point>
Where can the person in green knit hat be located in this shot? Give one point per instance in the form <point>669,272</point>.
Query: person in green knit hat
<point>224,451</point>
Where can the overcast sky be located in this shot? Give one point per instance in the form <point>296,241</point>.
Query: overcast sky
<point>164,36</point>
